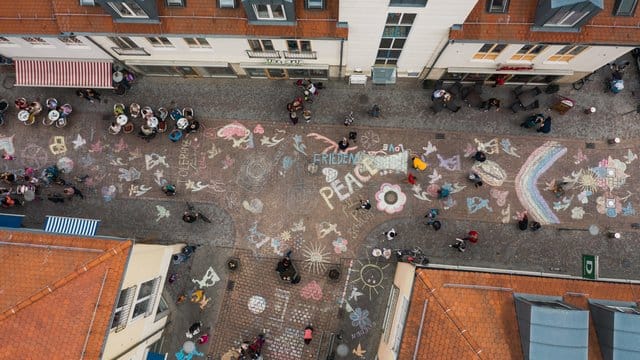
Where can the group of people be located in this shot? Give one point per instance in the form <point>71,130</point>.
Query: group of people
<point>541,123</point>
<point>89,94</point>
<point>309,90</point>
<point>343,144</point>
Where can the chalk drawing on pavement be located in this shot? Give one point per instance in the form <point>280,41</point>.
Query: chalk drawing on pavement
<point>238,134</point>
<point>34,156</point>
<point>312,291</point>
<point>57,145</point>
<point>257,304</point>
<point>369,277</point>
<point>390,198</point>
<point>209,279</point>
<point>316,258</point>
<point>78,142</point>
<point>253,206</point>
<point>163,212</point>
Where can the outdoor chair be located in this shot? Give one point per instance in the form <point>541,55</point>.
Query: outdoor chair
<point>534,105</point>
<point>536,90</point>
<point>437,107</point>
<point>517,90</point>
<point>516,106</point>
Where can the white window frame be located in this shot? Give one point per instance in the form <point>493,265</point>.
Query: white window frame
<point>130,10</point>
<point>87,3</point>
<point>262,44</point>
<point>151,298</point>
<point>493,9</point>
<point>36,41</point>
<point>124,308</point>
<point>227,4</point>
<point>562,21</point>
<point>160,42</point>
<point>5,41</point>
<point>618,5</point>
<point>178,3</point>
<point>270,12</point>
<point>314,4</point>
<point>197,43</point>
<point>124,40</point>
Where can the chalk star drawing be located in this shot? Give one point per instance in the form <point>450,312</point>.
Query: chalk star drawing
<point>419,193</point>
<point>135,154</point>
<point>451,164</point>
<point>324,228</point>
<point>355,294</point>
<point>97,147</point>
<point>359,351</point>
<point>138,190</point>
<point>162,212</point>
<point>429,149</point>
<point>434,177</point>
<point>129,175</point>
<point>299,145</point>
<point>78,142</point>
<point>58,145</point>
<point>630,157</point>
<point>316,258</point>
<point>213,152</point>
<point>508,148</point>
<point>370,276</point>
<point>209,279</point>
<point>152,160</point>
<point>120,146</point>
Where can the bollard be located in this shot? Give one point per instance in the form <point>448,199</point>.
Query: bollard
<point>614,235</point>
<point>613,141</point>
<point>590,110</point>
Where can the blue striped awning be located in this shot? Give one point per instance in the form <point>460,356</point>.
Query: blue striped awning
<point>71,226</point>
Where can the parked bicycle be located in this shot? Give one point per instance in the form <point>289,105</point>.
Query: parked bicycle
<point>580,83</point>
<point>413,256</point>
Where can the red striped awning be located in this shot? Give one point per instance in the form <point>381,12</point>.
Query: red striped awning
<point>63,73</point>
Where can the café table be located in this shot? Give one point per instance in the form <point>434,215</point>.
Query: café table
<point>118,76</point>
<point>53,115</point>
<point>152,122</point>
<point>23,115</point>
<point>122,119</point>
<point>182,123</point>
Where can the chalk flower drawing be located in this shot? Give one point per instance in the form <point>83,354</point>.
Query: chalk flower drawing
<point>577,213</point>
<point>340,245</point>
<point>360,319</point>
<point>390,198</point>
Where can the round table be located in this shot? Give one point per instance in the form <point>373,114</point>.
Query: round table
<point>182,123</point>
<point>118,76</point>
<point>152,122</point>
<point>53,115</point>
<point>122,119</point>
<point>23,115</point>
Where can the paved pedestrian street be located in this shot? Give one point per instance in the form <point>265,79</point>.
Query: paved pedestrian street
<point>270,187</point>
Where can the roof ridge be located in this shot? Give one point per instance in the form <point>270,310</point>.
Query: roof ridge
<point>108,254</point>
<point>448,312</point>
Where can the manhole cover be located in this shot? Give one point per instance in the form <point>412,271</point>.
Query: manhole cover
<point>342,350</point>
<point>594,230</point>
<point>363,99</point>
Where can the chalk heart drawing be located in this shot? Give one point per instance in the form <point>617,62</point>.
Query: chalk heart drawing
<point>312,291</point>
<point>390,198</point>
<point>490,172</point>
<point>257,304</point>
<point>254,206</point>
<point>209,279</point>
<point>330,174</point>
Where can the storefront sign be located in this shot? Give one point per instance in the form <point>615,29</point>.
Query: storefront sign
<point>514,68</point>
<point>590,266</point>
<point>284,62</point>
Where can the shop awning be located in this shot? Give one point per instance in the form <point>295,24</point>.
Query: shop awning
<point>63,73</point>
<point>71,226</point>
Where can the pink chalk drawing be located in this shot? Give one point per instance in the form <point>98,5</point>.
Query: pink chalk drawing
<point>258,129</point>
<point>390,198</point>
<point>312,291</point>
<point>333,146</point>
<point>238,133</point>
<point>120,146</point>
<point>340,245</point>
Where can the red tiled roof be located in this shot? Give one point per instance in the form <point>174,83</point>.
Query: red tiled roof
<point>57,293</point>
<point>199,17</point>
<point>515,26</point>
<point>479,323</point>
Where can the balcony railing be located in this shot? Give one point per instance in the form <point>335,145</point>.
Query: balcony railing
<point>300,55</point>
<point>265,54</point>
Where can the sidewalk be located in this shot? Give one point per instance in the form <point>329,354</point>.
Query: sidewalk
<point>269,186</point>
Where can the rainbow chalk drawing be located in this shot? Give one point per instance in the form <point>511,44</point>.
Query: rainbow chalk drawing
<point>537,164</point>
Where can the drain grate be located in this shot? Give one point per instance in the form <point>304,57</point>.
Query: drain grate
<point>440,136</point>
<point>590,145</point>
<point>231,285</point>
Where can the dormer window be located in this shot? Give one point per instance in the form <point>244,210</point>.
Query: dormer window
<point>128,9</point>
<point>565,15</point>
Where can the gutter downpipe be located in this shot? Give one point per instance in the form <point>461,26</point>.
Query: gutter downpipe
<point>341,52</point>
<point>437,58</point>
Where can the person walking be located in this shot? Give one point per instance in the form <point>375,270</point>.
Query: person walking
<point>475,179</point>
<point>523,223</point>
<point>480,156</point>
<point>443,192</point>
<point>411,179</point>
<point>343,144</point>
<point>545,127</point>
<point>391,234</point>
<point>308,334</point>
<point>365,204</point>
<point>431,219</point>
<point>169,189</point>
<point>194,329</point>
<point>460,245</point>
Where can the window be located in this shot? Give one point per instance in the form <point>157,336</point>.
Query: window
<point>87,3</point>
<point>261,45</point>
<point>489,51</point>
<point>175,2</point>
<point>415,3</point>
<point>121,315</point>
<point>145,299</point>
<point>625,7</point>
<point>625,309</point>
<point>160,41</point>
<point>566,17</point>
<point>4,40</point>
<point>528,52</point>
<point>123,42</point>
<point>269,12</point>
<point>128,9</point>
<point>314,4</point>
<point>35,40</point>
<point>299,45</point>
<point>394,36</point>
<point>197,42</point>
<point>71,41</point>
<point>567,53</point>
<point>227,4</point>
<point>551,304</point>
<point>497,6</point>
